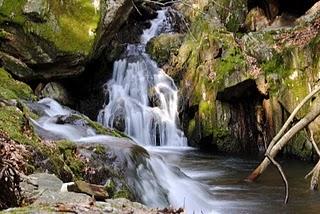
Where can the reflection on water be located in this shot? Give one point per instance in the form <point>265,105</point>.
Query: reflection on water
<point>225,177</point>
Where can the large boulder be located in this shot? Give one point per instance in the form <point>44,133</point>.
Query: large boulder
<point>54,39</point>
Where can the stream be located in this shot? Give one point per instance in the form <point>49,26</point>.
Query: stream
<point>230,194</point>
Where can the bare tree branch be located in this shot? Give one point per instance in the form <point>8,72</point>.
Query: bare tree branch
<point>291,117</point>
<point>313,114</point>
<point>283,176</point>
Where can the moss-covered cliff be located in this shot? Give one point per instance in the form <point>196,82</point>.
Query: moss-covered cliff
<point>238,86</point>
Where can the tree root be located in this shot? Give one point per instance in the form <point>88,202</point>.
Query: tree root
<point>316,169</point>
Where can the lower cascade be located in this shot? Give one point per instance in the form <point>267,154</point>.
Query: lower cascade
<point>154,182</point>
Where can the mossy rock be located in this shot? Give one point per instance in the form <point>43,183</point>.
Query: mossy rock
<point>211,60</point>
<point>15,124</point>
<point>69,25</point>
<point>161,47</point>
<point>13,89</point>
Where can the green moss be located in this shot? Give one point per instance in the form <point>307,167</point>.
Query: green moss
<point>206,111</point>
<point>123,193</point>
<point>32,209</point>
<point>191,127</point>
<point>60,160</point>
<point>4,34</point>
<point>299,147</point>
<point>68,151</point>
<point>100,129</point>
<point>69,23</point>
<point>221,133</point>
<point>162,47</point>
<point>13,122</point>
<point>275,65</point>
<point>13,89</point>
<point>233,60</point>
<point>11,11</point>
<point>100,150</point>
<point>233,24</point>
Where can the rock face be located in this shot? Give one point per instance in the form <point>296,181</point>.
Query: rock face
<point>55,91</point>
<point>237,91</point>
<point>161,47</point>
<point>45,40</point>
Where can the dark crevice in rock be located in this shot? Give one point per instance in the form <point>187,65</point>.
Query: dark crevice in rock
<point>273,8</point>
<point>247,124</point>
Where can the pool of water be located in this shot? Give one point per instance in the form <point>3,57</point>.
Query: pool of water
<point>224,178</point>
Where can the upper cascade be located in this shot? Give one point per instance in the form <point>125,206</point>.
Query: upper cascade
<point>142,98</point>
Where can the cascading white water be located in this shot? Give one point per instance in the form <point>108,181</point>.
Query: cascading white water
<point>135,83</point>
<point>154,181</point>
<point>137,79</point>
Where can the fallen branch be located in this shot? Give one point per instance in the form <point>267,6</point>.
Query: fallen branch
<point>291,117</point>
<point>135,7</point>
<point>313,114</point>
<point>283,176</point>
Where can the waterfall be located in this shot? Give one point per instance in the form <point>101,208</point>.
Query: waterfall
<point>142,96</point>
<point>143,102</point>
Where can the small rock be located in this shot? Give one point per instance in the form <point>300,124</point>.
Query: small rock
<point>36,10</point>
<point>97,191</point>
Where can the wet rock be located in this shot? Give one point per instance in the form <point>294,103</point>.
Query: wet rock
<point>256,20</point>
<point>115,15</point>
<point>57,92</point>
<point>154,98</point>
